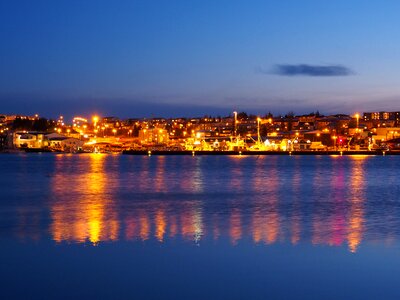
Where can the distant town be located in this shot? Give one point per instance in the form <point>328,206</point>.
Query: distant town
<point>239,131</point>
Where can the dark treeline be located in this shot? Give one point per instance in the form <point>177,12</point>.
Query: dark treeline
<point>40,124</point>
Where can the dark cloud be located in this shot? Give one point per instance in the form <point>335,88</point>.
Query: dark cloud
<point>311,70</point>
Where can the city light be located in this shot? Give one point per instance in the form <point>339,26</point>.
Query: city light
<point>250,133</point>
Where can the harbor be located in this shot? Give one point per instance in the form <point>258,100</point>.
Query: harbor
<point>235,134</point>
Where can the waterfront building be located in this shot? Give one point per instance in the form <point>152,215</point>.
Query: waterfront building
<point>339,123</point>
<point>29,140</point>
<point>306,122</point>
<point>383,118</point>
<point>63,143</point>
<point>153,136</point>
<point>382,115</point>
<point>386,133</point>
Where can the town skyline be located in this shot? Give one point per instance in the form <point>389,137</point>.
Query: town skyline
<point>236,133</point>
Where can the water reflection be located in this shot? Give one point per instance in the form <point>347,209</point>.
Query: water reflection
<point>357,199</point>
<point>235,225</point>
<point>83,209</point>
<point>295,217</point>
<point>103,199</point>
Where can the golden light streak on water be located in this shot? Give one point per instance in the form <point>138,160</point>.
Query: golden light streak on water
<point>257,226</point>
<point>272,217</point>
<point>161,224</point>
<point>95,222</point>
<point>90,215</point>
<point>356,220</point>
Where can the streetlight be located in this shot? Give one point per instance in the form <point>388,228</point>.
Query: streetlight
<point>258,130</point>
<point>334,141</point>
<point>318,135</point>
<point>357,118</point>
<point>235,121</point>
<point>95,120</point>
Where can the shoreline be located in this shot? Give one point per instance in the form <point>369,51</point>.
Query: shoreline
<point>226,153</point>
<point>263,153</point>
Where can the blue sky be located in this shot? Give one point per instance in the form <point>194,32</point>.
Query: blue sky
<point>147,58</point>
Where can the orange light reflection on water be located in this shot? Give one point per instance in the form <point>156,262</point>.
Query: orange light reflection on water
<point>161,224</point>
<point>90,215</point>
<point>356,219</point>
<point>265,216</point>
<point>296,212</point>
<point>235,225</point>
<point>83,208</point>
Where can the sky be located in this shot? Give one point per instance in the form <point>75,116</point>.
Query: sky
<point>171,58</point>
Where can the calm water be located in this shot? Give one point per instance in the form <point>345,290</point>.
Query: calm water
<point>125,227</point>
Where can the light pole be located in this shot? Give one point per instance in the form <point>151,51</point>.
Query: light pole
<point>95,120</point>
<point>357,118</point>
<point>235,123</point>
<point>334,141</point>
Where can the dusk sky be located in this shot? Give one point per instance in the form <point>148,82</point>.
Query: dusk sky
<point>169,58</point>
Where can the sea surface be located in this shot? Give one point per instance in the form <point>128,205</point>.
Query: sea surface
<point>96,226</point>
